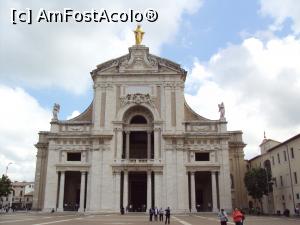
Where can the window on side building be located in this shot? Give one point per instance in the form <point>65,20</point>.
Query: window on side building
<point>295,178</point>
<point>292,153</point>
<point>281,181</point>
<point>278,157</point>
<point>275,181</point>
<point>284,155</point>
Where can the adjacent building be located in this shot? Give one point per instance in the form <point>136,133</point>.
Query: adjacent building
<point>281,162</point>
<point>21,196</point>
<point>139,145</point>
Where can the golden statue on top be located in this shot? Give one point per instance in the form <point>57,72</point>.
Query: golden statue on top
<point>138,33</point>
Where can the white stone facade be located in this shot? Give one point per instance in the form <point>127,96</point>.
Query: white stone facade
<point>138,137</point>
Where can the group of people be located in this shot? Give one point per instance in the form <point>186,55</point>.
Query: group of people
<point>238,217</point>
<point>7,208</point>
<point>155,212</point>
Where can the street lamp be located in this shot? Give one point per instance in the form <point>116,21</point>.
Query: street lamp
<point>10,200</point>
<point>7,167</point>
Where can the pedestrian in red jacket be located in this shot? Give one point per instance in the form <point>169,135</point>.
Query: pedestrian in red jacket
<point>237,216</point>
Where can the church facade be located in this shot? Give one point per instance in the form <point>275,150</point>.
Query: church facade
<point>139,145</point>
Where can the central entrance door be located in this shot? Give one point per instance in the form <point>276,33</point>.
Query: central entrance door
<point>72,190</point>
<point>137,189</point>
<point>203,191</point>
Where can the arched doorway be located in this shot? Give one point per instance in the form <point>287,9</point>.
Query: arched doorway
<point>138,147</point>
<point>138,138</point>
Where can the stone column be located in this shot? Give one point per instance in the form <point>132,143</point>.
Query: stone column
<point>125,189</point>
<point>127,144</point>
<point>119,132</point>
<point>117,190</point>
<point>82,192</point>
<point>193,193</point>
<point>214,191</point>
<point>156,142</point>
<point>148,144</point>
<point>158,189</point>
<point>61,192</point>
<point>149,197</point>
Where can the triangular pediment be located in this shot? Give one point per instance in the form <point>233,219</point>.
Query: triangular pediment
<point>139,60</point>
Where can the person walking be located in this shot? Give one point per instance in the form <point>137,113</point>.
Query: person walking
<point>150,214</point>
<point>161,214</point>
<point>237,217</point>
<point>155,214</point>
<point>243,217</point>
<point>168,215</point>
<point>223,217</point>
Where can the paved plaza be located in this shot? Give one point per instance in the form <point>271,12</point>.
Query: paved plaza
<point>138,219</point>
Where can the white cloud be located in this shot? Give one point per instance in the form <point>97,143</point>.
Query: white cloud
<point>281,11</point>
<point>62,55</point>
<point>73,115</point>
<point>21,118</point>
<point>259,84</point>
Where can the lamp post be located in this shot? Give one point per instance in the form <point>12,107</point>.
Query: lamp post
<point>7,168</point>
<point>10,199</point>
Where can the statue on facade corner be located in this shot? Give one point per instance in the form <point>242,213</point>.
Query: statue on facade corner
<point>55,111</point>
<point>222,111</point>
<point>139,34</point>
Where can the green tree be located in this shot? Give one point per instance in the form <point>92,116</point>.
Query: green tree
<point>5,186</point>
<point>256,182</point>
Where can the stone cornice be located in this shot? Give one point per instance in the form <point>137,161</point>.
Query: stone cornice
<point>233,144</point>
<point>201,166</point>
<point>196,135</point>
<point>79,135</point>
<point>200,135</point>
<point>41,145</point>
<point>69,122</point>
<point>136,167</point>
<point>83,167</point>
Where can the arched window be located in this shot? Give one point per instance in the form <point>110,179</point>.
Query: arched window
<point>138,120</point>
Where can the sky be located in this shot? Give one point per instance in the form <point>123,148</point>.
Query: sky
<point>243,53</point>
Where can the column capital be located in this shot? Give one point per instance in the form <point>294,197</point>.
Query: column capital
<point>127,131</point>
<point>156,129</point>
<point>158,172</point>
<point>117,172</point>
<point>118,129</point>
